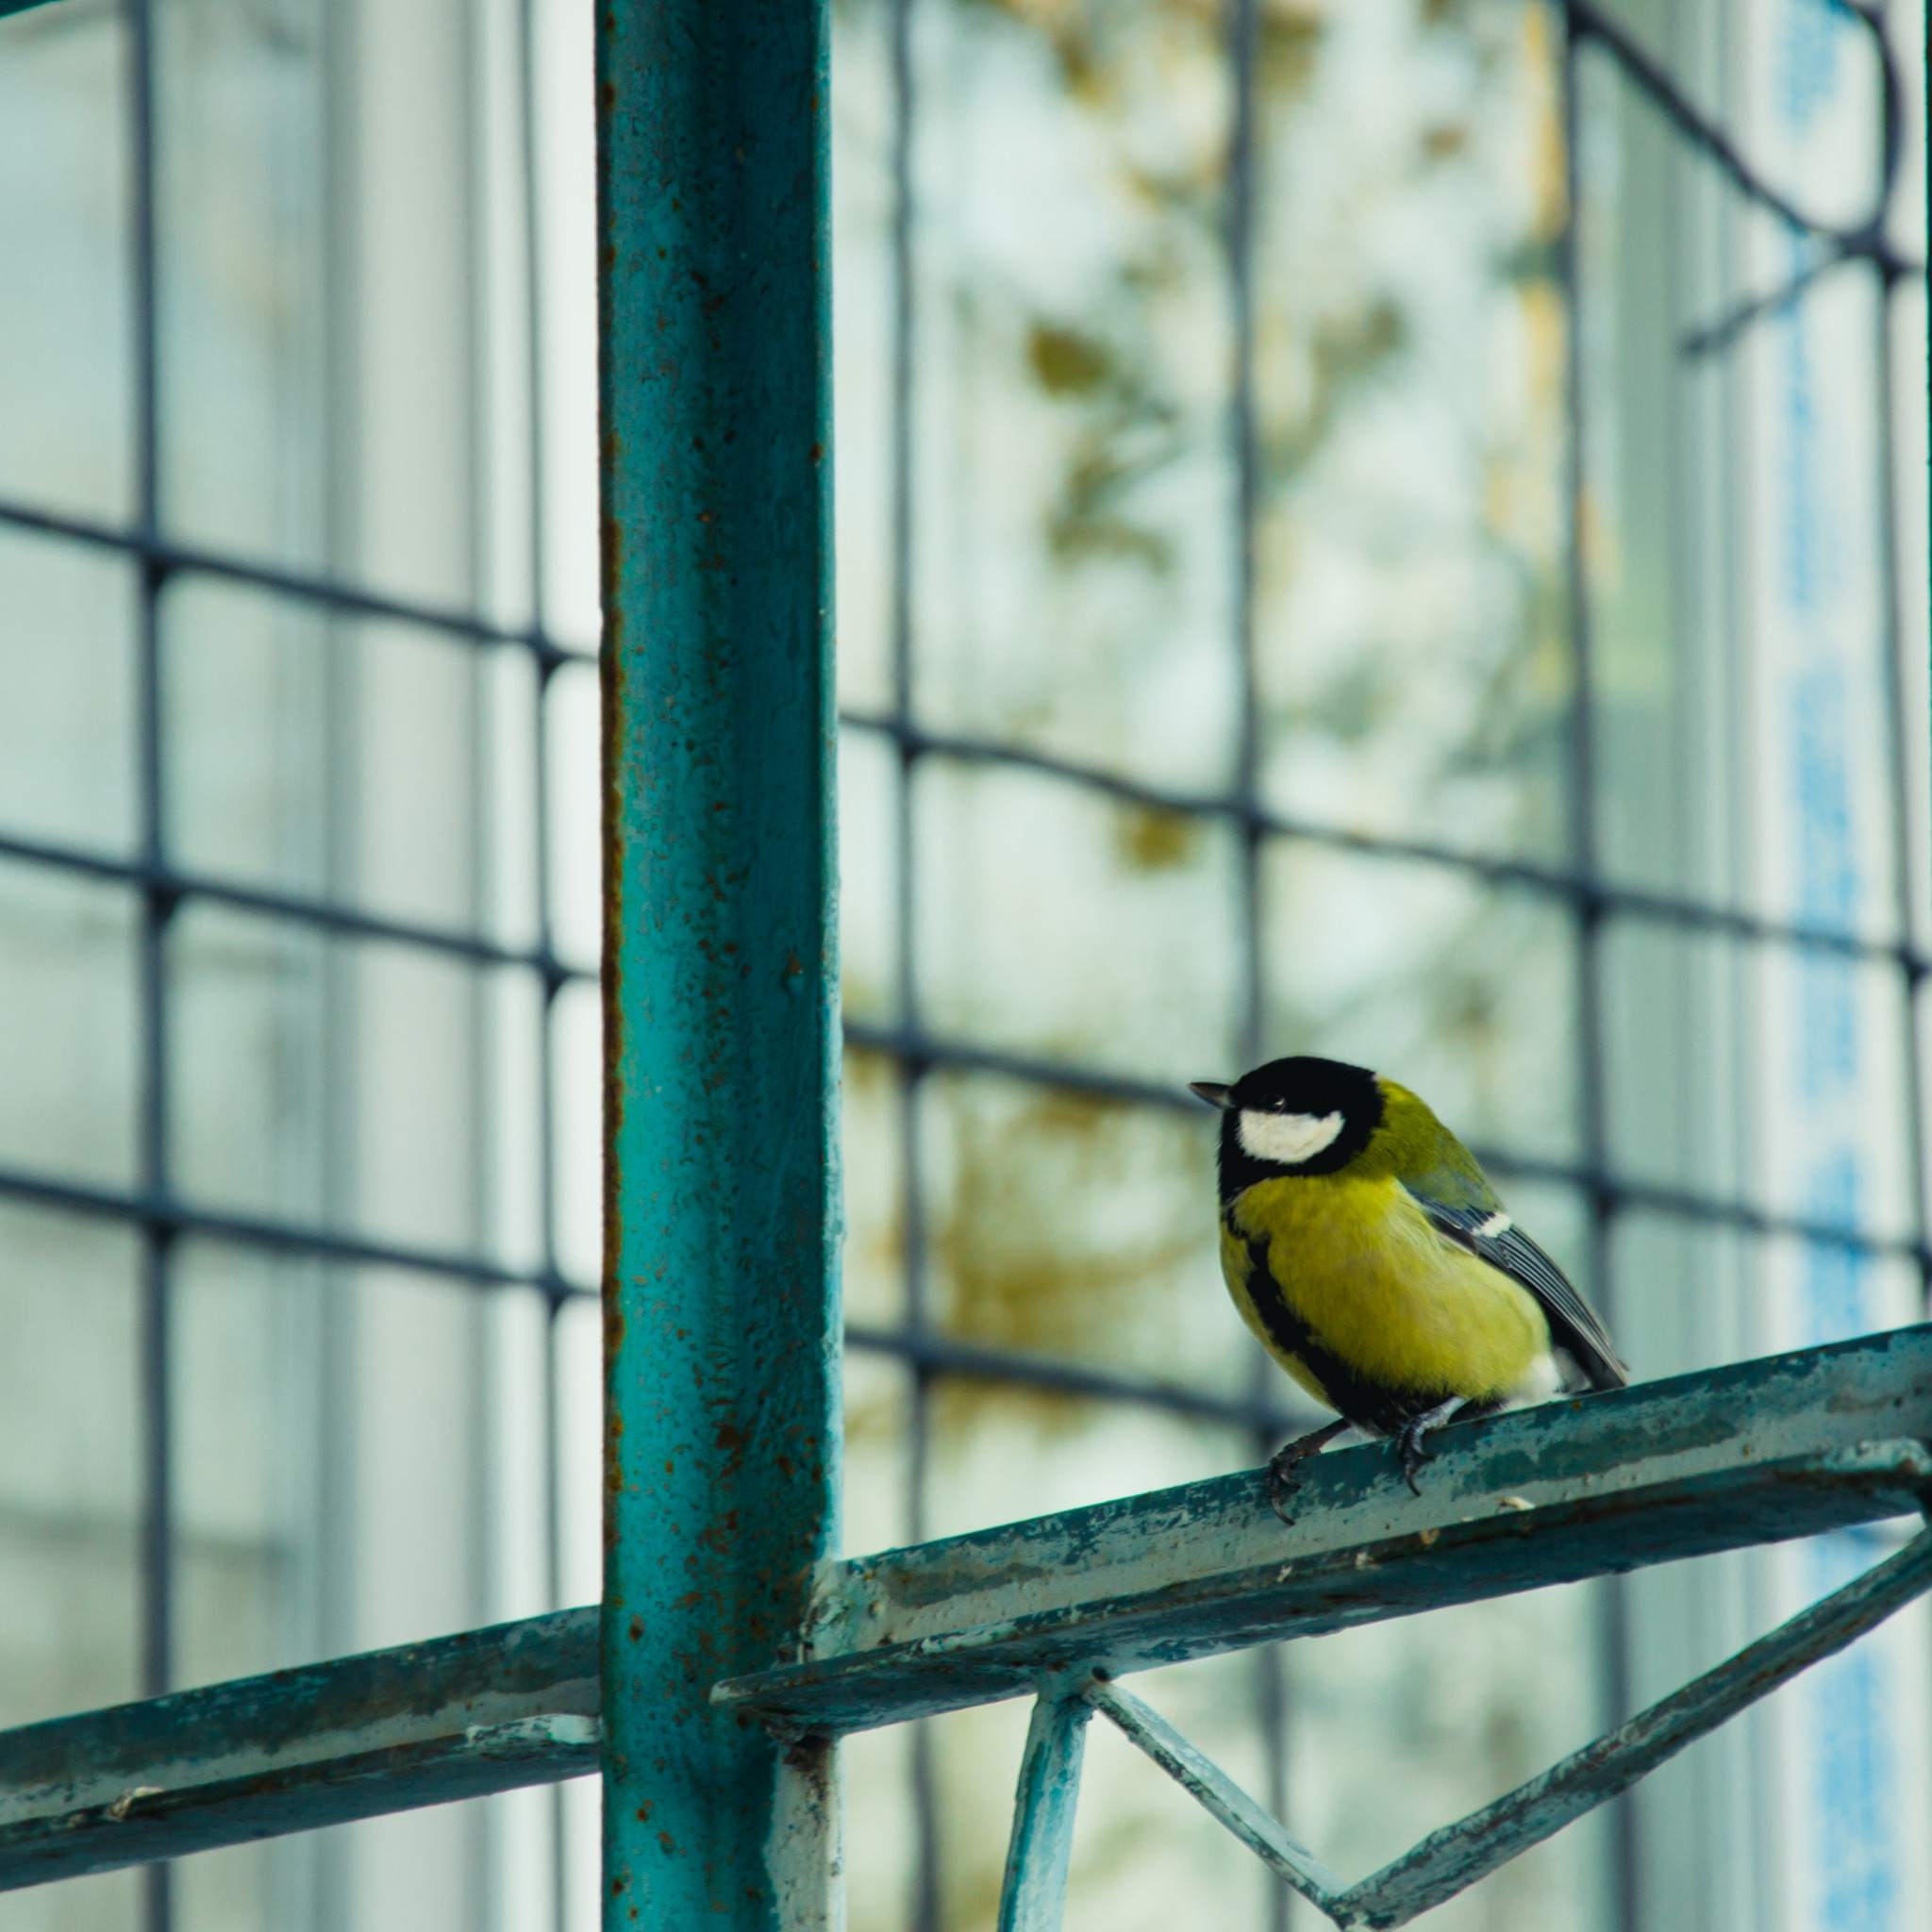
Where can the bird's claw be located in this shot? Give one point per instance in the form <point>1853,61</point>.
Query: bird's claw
<point>1409,1442</point>
<point>1283,1475</point>
<point>1282,1478</point>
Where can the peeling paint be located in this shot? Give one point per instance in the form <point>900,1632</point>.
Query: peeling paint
<point>1759,1451</point>
<point>295,1749</point>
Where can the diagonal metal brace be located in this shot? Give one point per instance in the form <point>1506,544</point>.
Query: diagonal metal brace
<point>1454,1857</point>
<point>1450,1860</point>
<point>1203,1780</point>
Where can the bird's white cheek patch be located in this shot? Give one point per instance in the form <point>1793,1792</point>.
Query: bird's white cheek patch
<point>1288,1138</point>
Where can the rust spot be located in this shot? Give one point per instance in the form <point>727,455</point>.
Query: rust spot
<point>818,452</point>
<point>664,1839</point>
<point>644,1812</point>
<point>636,1629</point>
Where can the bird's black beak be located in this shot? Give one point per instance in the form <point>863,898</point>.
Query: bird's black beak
<point>1212,1092</point>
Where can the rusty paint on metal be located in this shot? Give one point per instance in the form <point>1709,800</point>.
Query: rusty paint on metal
<point>486,1711</point>
<point>721,1316</point>
<point>1758,1452</point>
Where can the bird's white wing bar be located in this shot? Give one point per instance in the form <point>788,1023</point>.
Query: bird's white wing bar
<point>1490,1233</point>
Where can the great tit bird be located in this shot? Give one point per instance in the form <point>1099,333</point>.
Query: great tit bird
<point>1363,1246</point>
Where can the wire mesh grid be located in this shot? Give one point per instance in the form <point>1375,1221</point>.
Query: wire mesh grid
<point>156,1208</point>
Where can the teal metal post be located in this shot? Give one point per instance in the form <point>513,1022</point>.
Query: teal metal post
<point>721,1287</point>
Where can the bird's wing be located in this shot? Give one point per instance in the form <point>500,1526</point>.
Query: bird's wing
<point>1486,1232</point>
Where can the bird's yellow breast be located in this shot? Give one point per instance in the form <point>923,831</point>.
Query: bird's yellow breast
<point>1362,1271</point>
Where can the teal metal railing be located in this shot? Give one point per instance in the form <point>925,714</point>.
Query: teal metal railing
<point>1062,1606</point>
<point>731,1651</point>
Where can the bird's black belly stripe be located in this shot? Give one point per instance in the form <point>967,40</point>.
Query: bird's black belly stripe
<point>1365,1404</point>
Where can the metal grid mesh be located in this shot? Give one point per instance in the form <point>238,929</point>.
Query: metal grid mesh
<point>1591,900</point>
<point>161,1215</point>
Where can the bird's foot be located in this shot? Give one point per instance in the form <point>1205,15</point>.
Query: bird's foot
<point>1283,1475</point>
<point>1408,1442</point>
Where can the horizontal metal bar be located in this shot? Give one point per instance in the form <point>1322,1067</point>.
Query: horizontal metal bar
<point>1759,1451</point>
<point>924,1050</point>
<point>1613,900</point>
<point>484,1711</point>
<point>920,1348</point>
<point>929,1051</point>
<point>910,1045</point>
<point>1581,888</point>
<point>1209,1786</point>
<point>345,600</point>
<point>1450,1860</point>
<point>324,915</point>
<point>278,1237</point>
<point>926,1350</point>
<point>937,1352</point>
<point>296,1237</point>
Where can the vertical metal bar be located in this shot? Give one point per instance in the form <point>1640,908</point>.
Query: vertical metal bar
<point>721,1330</point>
<point>1585,858</point>
<point>1898,703</point>
<point>545,665</point>
<point>1034,1894</point>
<point>925,1912</point>
<point>157,1540</point>
<point>339,1560</point>
<point>1244,40</point>
<point>1244,35</point>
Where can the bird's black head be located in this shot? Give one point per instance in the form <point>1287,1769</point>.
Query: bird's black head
<point>1299,1116</point>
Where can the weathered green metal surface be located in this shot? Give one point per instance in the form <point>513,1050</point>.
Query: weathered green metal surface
<point>485,1711</point>
<point>1033,1891</point>
<point>8,7</point>
<point>1764,1451</point>
<point>721,1306</point>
